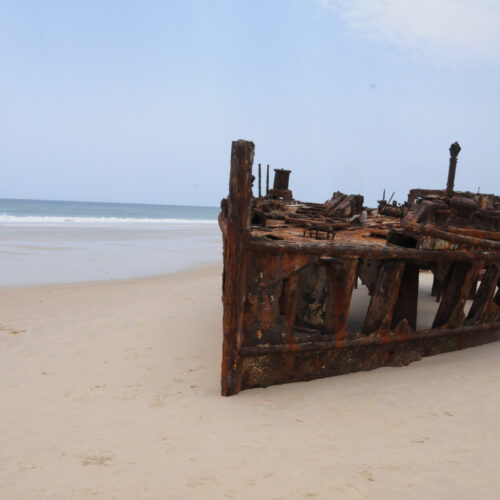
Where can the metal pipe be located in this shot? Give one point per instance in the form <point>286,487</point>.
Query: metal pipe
<point>259,181</point>
<point>454,150</point>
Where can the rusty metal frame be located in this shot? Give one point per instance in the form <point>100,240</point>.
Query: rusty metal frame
<point>278,253</point>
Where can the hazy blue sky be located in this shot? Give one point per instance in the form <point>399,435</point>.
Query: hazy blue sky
<point>138,101</point>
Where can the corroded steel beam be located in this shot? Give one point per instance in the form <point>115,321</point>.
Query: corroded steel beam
<point>380,252</point>
<point>239,212</point>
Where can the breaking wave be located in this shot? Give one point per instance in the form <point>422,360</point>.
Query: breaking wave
<point>38,220</point>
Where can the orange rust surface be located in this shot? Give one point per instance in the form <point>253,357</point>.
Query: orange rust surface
<point>372,232</point>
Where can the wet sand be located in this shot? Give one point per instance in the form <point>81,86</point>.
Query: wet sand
<point>111,390</point>
<point>39,255</point>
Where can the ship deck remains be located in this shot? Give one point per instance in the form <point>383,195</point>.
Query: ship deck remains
<point>290,269</point>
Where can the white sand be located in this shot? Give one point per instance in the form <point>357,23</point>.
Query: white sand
<point>111,390</point>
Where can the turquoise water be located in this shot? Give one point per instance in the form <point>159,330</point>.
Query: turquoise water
<point>66,241</point>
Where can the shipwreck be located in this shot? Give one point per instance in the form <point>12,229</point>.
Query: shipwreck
<point>290,268</point>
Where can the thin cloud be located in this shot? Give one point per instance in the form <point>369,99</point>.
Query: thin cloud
<point>450,28</point>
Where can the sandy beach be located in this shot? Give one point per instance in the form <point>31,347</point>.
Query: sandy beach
<point>111,390</point>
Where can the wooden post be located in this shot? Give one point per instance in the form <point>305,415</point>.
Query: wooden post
<point>235,262</point>
<point>267,180</point>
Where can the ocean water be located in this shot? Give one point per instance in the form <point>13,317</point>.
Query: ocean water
<point>68,213</point>
<point>65,241</point>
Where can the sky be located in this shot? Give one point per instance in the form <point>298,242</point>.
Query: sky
<point>138,102</point>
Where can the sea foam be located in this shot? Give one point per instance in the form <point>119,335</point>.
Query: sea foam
<point>38,220</point>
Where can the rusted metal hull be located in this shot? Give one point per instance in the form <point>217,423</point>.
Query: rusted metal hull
<point>290,269</point>
<point>265,370</point>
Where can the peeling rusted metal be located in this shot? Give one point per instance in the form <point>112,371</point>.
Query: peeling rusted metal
<point>290,269</point>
